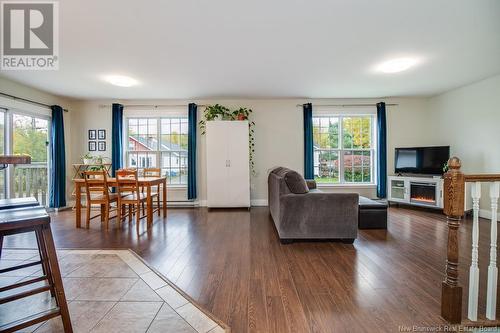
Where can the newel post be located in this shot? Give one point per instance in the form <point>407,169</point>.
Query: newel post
<point>451,293</point>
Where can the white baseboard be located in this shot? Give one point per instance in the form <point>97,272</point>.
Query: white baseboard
<point>196,203</point>
<point>259,202</point>
<point>182,204</point>
<point>253,203</point>
<point>186,203</point>
<point>486,214</point>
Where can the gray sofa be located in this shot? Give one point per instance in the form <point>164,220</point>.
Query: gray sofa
<point>300,211</point>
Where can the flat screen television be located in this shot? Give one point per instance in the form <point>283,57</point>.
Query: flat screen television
<point>421,160</point>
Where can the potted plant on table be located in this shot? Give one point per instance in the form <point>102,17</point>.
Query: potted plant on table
<point>87,159</point>
<point>98,163</point>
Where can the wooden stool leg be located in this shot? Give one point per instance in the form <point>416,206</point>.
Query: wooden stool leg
<point>119,209</point>
<point>137,216</point>
<point>158,198</point>
<point>87,222</point>
<point>43,258</point>
<point>106,217</point>
<point>103,211</point>
<point>56,277</point>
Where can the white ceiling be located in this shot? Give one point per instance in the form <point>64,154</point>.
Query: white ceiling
<point>278,48</point>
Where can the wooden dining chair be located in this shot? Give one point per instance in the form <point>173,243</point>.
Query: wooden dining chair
<point>129,195</point>
<point>97,192</point>
<point>154,172</point>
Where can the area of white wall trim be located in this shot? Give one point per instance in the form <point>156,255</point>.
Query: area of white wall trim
<point>486,214</point>
<point>11,104</point>
<point>347,186</point>
<point>253,203</point>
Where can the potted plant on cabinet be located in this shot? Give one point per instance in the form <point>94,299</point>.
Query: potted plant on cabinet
<point>220,112</point>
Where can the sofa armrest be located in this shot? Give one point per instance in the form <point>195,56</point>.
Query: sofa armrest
<point>311,184</point>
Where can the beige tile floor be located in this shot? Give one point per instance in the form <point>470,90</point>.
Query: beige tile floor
<point>107,291</point>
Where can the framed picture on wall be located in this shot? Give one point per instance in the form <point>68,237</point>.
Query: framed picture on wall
<point>101,134</point>
<point>92,135</point>
<point>101,145</point>
<point>92,146</point>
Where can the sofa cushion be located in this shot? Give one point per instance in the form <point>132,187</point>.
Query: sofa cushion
<point>280,171</point>
<point>295,182</point>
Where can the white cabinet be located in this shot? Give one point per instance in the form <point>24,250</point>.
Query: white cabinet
<point>420,191</point>
<point>228,167</point>
<point>398,190</point>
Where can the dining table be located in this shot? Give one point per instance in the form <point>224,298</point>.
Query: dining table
<point>144,182</point>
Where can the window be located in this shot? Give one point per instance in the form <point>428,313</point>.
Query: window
<point>159,143</point>
<point>344,149</point>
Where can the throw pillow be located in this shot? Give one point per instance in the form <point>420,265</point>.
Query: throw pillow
<point>296,183</point>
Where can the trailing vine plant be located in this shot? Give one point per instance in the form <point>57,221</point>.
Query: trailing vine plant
<point>220,112</point>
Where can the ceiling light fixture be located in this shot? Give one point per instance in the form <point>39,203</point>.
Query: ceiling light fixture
<point>397,65</point>
<point>121,80</point>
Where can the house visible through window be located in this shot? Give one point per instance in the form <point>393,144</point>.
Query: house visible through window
<point>344,149</point>
<point>159,143</point>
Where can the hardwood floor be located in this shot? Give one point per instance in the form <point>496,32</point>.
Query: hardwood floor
<point>232,263</point>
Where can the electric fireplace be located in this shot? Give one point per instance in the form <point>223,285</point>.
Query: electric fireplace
<point>423,193</point>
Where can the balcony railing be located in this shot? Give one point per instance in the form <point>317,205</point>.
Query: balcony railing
<point>31,180</point>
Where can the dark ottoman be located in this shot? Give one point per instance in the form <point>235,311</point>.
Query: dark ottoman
<point>372,214</point>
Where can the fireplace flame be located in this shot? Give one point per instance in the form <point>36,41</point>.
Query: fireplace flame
<point>424,199</point>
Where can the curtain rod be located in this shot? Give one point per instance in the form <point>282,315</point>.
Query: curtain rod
<point>27,100</point>
<point>151,105</point>
<point>347,105</point>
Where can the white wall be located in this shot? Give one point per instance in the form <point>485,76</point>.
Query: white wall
<point>278,134</point>
<point>19,90</point>
<point>468,119</point>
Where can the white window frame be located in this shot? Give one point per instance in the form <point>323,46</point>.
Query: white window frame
<point>9,108</point>
<point>341,114</point>
<point>158,152</point>
<point>6,142</point>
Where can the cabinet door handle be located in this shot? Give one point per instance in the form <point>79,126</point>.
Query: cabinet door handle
<point>228,163</point>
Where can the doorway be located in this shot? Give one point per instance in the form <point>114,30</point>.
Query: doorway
<point>26,134</point>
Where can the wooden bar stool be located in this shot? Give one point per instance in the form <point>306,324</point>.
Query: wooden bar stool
<point>18,203</point>
<point>34,219</point>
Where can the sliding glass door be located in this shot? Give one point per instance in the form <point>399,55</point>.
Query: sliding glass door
<point>30,135</point>
<point>3,184</point>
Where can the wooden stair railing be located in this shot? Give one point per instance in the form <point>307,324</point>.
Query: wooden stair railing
<point>453,201</point>
<point>454,196</point>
